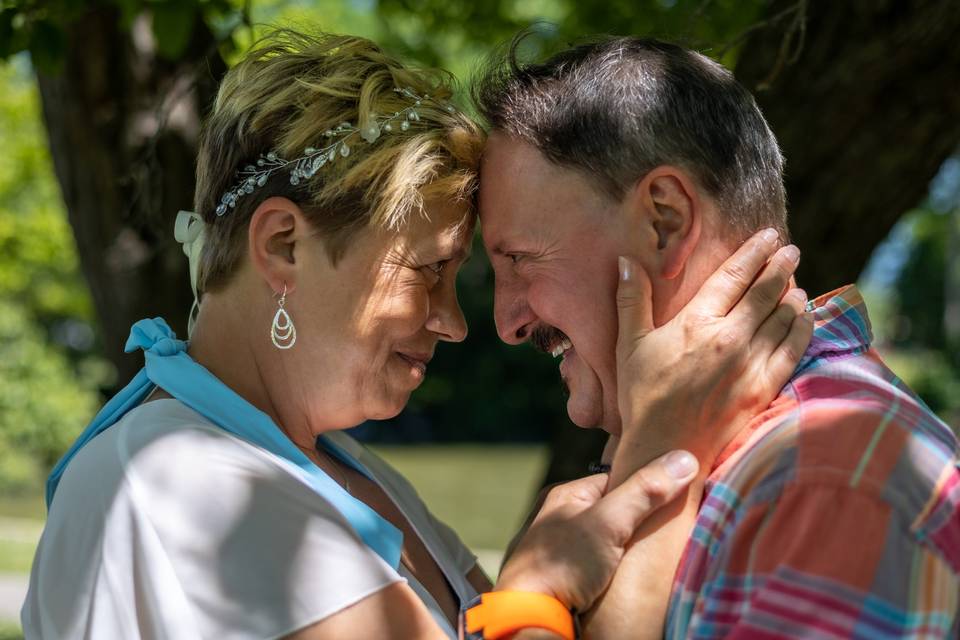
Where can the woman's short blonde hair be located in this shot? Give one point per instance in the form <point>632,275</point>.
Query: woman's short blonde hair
<point>282,97</point>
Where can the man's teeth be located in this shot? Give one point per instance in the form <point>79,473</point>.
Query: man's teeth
<point>561,348</point>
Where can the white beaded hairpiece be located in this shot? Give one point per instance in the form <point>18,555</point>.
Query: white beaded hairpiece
<point>306,166</point>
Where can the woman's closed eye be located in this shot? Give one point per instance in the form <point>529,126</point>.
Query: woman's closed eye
<point>436,269</point>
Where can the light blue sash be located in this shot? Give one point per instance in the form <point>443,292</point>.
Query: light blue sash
<point>168,366</point>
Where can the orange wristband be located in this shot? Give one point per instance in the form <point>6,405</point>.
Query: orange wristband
<point>499,614</point>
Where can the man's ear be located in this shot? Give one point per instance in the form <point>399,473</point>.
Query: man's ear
<point>276,228</point>
<point>671,209</point>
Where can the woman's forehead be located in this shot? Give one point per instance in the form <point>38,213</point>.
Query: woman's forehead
<point>445,219</point>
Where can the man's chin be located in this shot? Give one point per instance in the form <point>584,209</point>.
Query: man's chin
<point>585,406</point>
<point>594,420</point>
<point>585,417</point>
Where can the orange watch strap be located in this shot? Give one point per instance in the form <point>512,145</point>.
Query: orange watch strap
<point>501,613</point>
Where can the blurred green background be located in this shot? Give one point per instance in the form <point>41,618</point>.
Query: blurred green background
<point>860,109</point>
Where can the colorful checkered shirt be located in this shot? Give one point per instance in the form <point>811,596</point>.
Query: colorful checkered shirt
<point>835,513</point>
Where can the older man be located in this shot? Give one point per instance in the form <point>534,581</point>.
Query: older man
<point>835,512</point>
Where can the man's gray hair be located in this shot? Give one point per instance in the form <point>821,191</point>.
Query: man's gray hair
<point>616,108</point>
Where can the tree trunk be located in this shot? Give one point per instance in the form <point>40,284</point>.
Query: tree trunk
<point>123,127</point>
<point>866,115</point>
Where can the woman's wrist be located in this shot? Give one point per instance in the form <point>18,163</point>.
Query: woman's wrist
<point>533,615</point>
<point>533,633</point>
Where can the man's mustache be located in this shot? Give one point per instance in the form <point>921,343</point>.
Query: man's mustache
<point>544,338</point>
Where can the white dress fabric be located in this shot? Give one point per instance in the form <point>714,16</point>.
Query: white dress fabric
<point>166,526</point>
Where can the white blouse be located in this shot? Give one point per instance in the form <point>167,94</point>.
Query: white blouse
<point>166,526</point>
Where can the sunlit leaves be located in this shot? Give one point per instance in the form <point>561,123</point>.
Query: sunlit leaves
<point>38,263</point>
<point>43,405</point>
<point>44,398</point>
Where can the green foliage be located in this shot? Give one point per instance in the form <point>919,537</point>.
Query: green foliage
<point>920,287</point>
<point>42,404</point>
<point>931,376</point>
<point>456,35</point>
<point>38,26</point>
<point>47,392</point>
<point>38,263</point>
<point>930,359</point>
<point>449,33</point>
<point>172,25</point>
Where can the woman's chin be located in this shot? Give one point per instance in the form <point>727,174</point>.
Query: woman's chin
<point>395,391</point>
<point>389,408</point>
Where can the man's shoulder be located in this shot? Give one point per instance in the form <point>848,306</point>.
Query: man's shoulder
<point>858,420</point>
<point>848,423</point>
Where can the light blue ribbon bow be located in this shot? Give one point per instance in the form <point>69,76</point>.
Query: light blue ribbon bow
<point>170,367</point>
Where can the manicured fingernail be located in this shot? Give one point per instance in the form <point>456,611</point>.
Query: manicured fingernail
<point>791,253</point>
<point>680,464</point>
<point>625,269</point>
<point>770,235</point>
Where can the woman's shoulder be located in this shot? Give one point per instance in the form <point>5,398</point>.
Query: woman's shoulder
<point>164,455</point>
<point>162,437</point>
<point>209,518</point>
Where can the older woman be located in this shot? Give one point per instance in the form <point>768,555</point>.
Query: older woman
<point>216,495</point>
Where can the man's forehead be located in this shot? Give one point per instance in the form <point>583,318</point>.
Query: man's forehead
<point>522,193</point>
<point>510,179</point>
<point>513,161</point>
<point>505,221</point>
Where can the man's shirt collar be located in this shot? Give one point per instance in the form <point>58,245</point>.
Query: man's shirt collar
<point>841,328</point>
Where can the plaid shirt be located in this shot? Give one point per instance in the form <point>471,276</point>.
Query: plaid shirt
<point>835,513</point>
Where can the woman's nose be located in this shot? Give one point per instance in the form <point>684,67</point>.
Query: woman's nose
<point>447,320</point>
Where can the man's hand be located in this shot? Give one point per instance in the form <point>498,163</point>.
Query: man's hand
<point>695,381</point>
<point>575,543</point>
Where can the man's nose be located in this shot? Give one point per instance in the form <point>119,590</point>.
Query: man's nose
<point>511,313</point>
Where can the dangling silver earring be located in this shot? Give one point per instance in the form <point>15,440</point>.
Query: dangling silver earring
<point>282,332</point>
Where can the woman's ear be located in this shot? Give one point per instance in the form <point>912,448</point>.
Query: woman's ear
<point>276,227</point>
<point>669,205</point>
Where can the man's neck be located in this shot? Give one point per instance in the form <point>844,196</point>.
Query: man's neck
<point>670,296</point>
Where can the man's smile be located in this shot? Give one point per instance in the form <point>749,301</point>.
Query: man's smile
<point>561,348</point>
<point>550,340</point>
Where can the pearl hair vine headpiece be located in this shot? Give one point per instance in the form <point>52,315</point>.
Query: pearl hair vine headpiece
<point>306,166</point>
